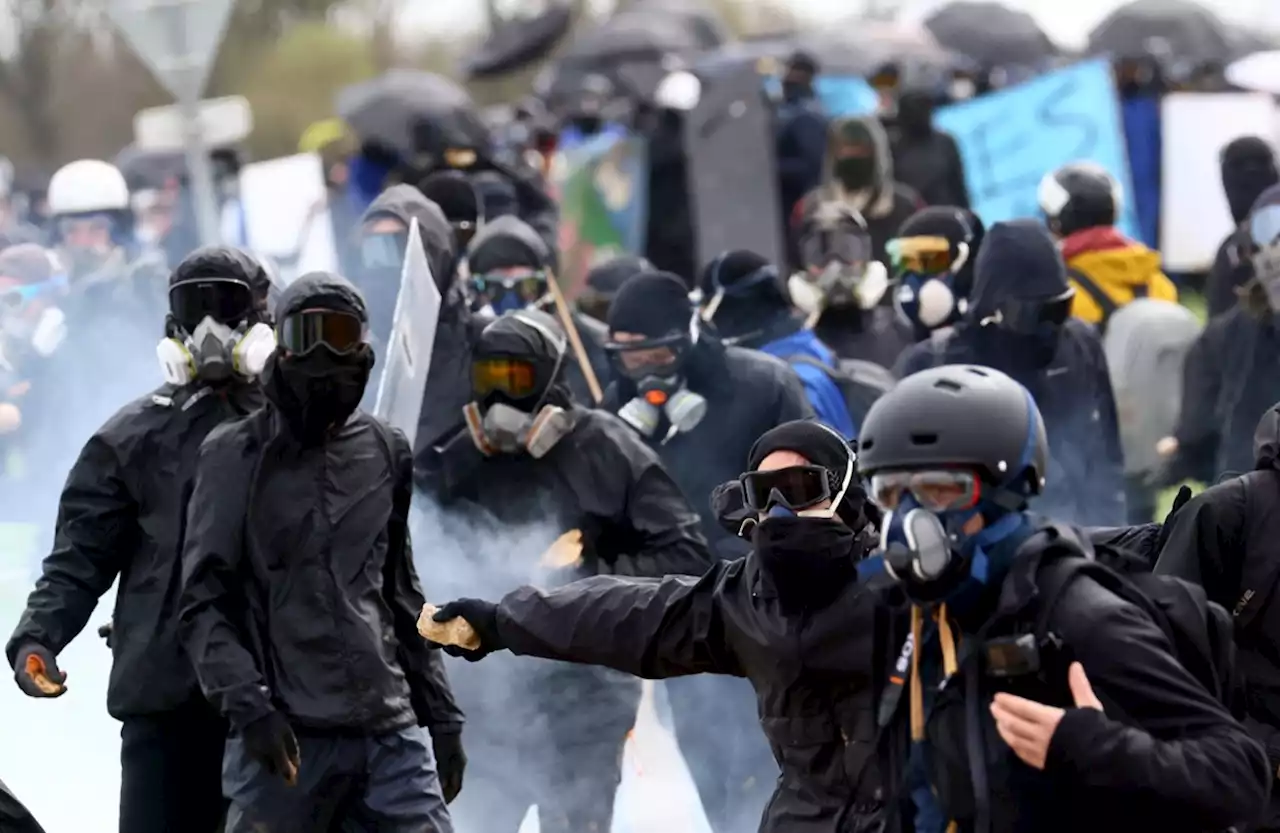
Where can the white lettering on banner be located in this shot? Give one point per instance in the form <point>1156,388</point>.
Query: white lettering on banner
<point>1010,139</point>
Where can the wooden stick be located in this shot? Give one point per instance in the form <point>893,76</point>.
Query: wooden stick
<point>575,338</point>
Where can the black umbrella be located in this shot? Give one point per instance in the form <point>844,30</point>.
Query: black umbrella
<point>991,33</point>
<point>630,37</point>
<point>518,42</point>
<point>144,169</point>
<point>701,19</point>
<point>1184,30</point>
<point>864,47</point>
<point>395,106</point>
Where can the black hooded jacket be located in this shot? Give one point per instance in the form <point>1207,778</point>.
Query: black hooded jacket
<point>925,158</point>
<point>599,478</point>
<point>121,515</point>
<point>1224,540</point>
<point>299,591</point>
<point>15,817</point>
<point>449,379</point>
<point>1248,170</point>
<point>1072,389</point>
<point>670,237</point>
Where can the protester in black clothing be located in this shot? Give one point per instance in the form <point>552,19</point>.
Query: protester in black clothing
<point>670,237</point>
<point>1248,169</point>
<point>15,817</point>
<point>924,157</point>
<point>1224,540</point>
<point>300,599</point>
<point>701,405</point>
<point>603,282</point>
<point>383,239</point>
<point>801,132</point>
<point>1230,376</point>
<point>840,286</point>
<point>457,198</point>
<point>792,617</point>
<point>530,465</point>
<point>933,259</point>
<point>1011,627</point>
<point>859,173</point>
<point>1018,322</point>
<point>121,516</point>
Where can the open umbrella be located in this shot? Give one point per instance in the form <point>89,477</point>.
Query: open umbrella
<point>391,107</point>
<point>862,47</point>
<point>991,33</point>
<point>145,169</point>
<point>1180,28</point>
<point>701,19</point>
<point>519,41</point>
<point>1259,72</point>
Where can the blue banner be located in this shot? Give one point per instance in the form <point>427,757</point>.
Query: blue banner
<point>1009,140</point>
<point>841,95</point>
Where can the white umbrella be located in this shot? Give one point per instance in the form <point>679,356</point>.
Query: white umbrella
<point>1259,71</point>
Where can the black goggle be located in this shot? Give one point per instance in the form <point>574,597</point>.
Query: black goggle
<point>302,332</point>
<point>794,487</point>
<point>529,287</point>
<point>1030,317</point>
<point>225,300</point>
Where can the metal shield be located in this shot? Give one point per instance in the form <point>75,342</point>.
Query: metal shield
<point>407,358</point>
<point>1146,344</point>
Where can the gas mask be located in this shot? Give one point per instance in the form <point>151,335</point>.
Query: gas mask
<point>926,268</point>
<point>1264,229</point>
<point>215,352</point>
<point>1035,324</point>
<point>657,396</point>
<point>860,286</point>
<point>503,428</point>
<point>507,290</point>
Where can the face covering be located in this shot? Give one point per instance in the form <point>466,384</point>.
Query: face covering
<point>856,173</point>
<point>1266,272</point>
<point>794,91</point>
<point>658,396</point>
<point>505,429</point>
<point>915,116</point>
<point>809,560</point>
<point>928,301</point>
<point>588,125</point>
<point>839,285</point>
<point>83,262</point>
<point>215,352</point>
<point>318,391</point>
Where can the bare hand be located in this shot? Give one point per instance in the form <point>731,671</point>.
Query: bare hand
<point>1028,726</point>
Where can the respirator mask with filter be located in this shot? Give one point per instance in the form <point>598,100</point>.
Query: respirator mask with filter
<point>661,389</point>
<point>925,269</point>
<point>213,333</point>
<point>840,272</point>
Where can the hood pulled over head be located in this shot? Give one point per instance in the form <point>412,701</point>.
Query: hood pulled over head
<point>1248,169</point>
<point>1018,261</point>
<point>858,157</point>
<point>228,263</point>
<point>406,203</point>
<point>530,336</point>
<point>507,242</point>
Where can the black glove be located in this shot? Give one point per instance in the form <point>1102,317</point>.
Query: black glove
<point>270,741</point>
<point>729,505</point>
<point>1166,529</point>
<point>482,616</point>
<point>451,762</point>
<point>108,632</point>
<point>36,671</point>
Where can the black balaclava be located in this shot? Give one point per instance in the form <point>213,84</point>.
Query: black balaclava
<point>915,114</point>
<point>859,172</point>
<point>811,560</point>
<point>457,198</point>
<point>797,84</point>
<point>318,391</point>
<point>1248,169</point>
<point>605,279</point>
<point>652,304</point>
<point>754,309</point>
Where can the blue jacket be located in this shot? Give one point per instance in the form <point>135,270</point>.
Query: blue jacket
<point>823,393</point>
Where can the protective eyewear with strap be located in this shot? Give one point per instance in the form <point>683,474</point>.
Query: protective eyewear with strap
<point>302,332</point>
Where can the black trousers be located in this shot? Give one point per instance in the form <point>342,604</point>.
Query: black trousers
<point>171,771</point>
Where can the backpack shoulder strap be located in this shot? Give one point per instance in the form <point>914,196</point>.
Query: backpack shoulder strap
<point>1102,299</point>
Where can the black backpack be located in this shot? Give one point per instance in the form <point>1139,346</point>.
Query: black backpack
<point>1200,631</point>
<point>860,382</point>
<point>1102,299</point>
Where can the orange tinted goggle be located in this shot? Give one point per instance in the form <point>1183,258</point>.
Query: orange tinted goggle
<point>920,255</point>
<point>513,377</point>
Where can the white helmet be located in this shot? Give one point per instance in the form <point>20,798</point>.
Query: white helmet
<point>86,186</point>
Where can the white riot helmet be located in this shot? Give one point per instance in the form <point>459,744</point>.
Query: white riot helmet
<point>88,186</point>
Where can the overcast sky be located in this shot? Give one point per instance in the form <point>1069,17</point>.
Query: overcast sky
<point>1066,22</point>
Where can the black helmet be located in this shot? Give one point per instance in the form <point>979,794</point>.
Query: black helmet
<point>958,416</point>
<point>1079,196</point>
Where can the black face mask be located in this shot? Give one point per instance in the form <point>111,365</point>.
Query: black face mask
<point>856,172</point>
<point>796,91</point>
<point>810,560</point>
<point>318,391</point>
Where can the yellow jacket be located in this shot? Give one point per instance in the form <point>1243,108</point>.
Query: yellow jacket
<point>1119,268</point>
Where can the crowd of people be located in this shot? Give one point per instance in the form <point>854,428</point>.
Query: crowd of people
<point>867,510</point>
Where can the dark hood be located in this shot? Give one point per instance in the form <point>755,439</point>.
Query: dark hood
<point>406,203</point>
<point>1018,259</point>
<point>507,241</point>
<point>322,290</point>
<point>1248,169</point>
<point>1266,441</point>
<point>229,262</point>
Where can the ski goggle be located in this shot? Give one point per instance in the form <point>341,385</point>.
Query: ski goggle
<point>941,490</point>
<point>225,300</point>
<point>515,377</point>
<point>1030,317</point>
<point>823,247</point>
<point>794,487</point>
<point>302,332</point>
<point>530,286</point>
<point>384,250</point>
<point>23,294</point>
<point>920,255</point>
<point>653,356</point>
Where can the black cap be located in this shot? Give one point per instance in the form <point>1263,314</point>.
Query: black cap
<point>652,304</point>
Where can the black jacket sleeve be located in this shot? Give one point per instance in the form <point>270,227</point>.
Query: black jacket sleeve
<point>1230,270</point>
<point>1104,503</point>
<point>1198,431</point>
<point>213,604</point>
<point>1206,542</point>
<point>957,186</point>
<point>805,140</point>
<point>1180,760</point>
<point>666,539</point>
<point>96,527</point>
<point>651,628</point>
<point>429,689</point>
